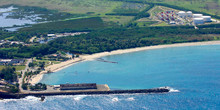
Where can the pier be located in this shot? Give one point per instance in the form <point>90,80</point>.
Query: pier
<point>103,60</point>
<point>101,89</point>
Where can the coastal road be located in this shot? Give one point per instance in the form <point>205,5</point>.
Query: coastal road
<point>23,73</point>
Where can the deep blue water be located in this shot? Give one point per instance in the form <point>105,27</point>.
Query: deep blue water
<point>194,71</point>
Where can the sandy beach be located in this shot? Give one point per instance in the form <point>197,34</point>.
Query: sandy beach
<point>56,67</point>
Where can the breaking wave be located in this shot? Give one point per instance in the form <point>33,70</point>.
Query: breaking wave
<point>79,97</point>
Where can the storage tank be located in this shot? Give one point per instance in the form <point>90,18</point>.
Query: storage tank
<point>182,14</point>
<point>207,18</point>
<point>197,15</point>
<point>198,21</point>
<point>189,14</point>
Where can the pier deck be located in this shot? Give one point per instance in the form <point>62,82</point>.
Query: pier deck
<point>101,89</point>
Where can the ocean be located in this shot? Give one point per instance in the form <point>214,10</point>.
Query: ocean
<point>192,71</point>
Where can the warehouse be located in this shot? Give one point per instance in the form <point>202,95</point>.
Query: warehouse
<point>78,86</point>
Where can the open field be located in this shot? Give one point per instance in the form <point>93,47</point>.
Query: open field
<point>104,6</point>
<point>71,6</point>
<point>86,8</point>
<point>83,24</point>
<point>118,19</point>
<point>18,68</point>
<point>207,6</point>
<point>81,6</point>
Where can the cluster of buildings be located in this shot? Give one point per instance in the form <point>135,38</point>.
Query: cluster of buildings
<point>54,36</point>
<point>3,83</point>
<point>166,16</point>
<point>10,42</point>
<point>196,18</point>
<point>65,34</point>
<point>182,17</point>
<point>11,61</point>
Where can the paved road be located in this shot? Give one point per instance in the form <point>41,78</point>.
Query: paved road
<point>23,73</point>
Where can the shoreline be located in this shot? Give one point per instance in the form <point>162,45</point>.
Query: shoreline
<point>56,67</point>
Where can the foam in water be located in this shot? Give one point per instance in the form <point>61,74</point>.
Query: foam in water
<point>79,97</point>
<point>170,89</point>
<point>130,99</point>
<point>31,98</point>
<point>115,99</point>
<point>28,98</point>
<point>174,90</point>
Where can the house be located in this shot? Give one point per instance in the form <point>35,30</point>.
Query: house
<point>84,86</point>
<point>3,82</point>
<point>11,61</point>
<point>51,35</point>
<point>17,61</point>
<point>4,61</point>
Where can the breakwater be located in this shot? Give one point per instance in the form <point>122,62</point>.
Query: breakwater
<point>22,95</point>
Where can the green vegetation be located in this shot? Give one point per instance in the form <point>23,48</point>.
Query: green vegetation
<point>116,38</point>
<point>145,23</point>
<point>13,88</point>
<point>208,7</point>
<point>118,27</point>
<point>4,34</point>
<point>38,87</point>
<point>27,12</point>
<point>42,29</point>
<point>8,73</point>
<point>25,86</point>
<point>128,9</point>
<point>121,20</point>
<point>26,51</point>
<point>112,25</point>
<point>17,67</point>
<point>85,24</point>
<point>104,6</point>
<point>122,38</point>
<point>70,6</point>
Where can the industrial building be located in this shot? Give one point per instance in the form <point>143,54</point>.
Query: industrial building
<point>182,14</point>
<point>207,18</point>
<point>11,61</point>
<point>189,14</point>
<point>183,18</point>
<point>197,15</point>
<point>78,86</point>
<point>198,21</point>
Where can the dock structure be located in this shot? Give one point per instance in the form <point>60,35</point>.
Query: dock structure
<point>102,60</point>
<point>81,89</point>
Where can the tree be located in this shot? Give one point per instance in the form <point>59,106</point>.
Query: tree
<point>42,65</point>
<point>8,73</point>
<point>31,65</point>
<point>24,86</point>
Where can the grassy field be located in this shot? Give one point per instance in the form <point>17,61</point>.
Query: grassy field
<point>207,6</point>
<point>145,23</point>
<point>18,68</point>
<point>104,6</point>
<point>85,7</point>
<point>71,6</point>
<point>118,19</point>
<point>83,24</point>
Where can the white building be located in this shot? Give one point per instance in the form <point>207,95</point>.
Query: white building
<point>51,35</point>
<point>189,14</point>
<point>182,14</point>
<point>207,18</point>
<point>198,21</point>
<point>197,15</point>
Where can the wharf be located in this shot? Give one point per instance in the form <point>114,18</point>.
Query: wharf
<point>101,89</point>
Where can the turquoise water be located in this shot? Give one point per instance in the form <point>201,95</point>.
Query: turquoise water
<point>194,71</point>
